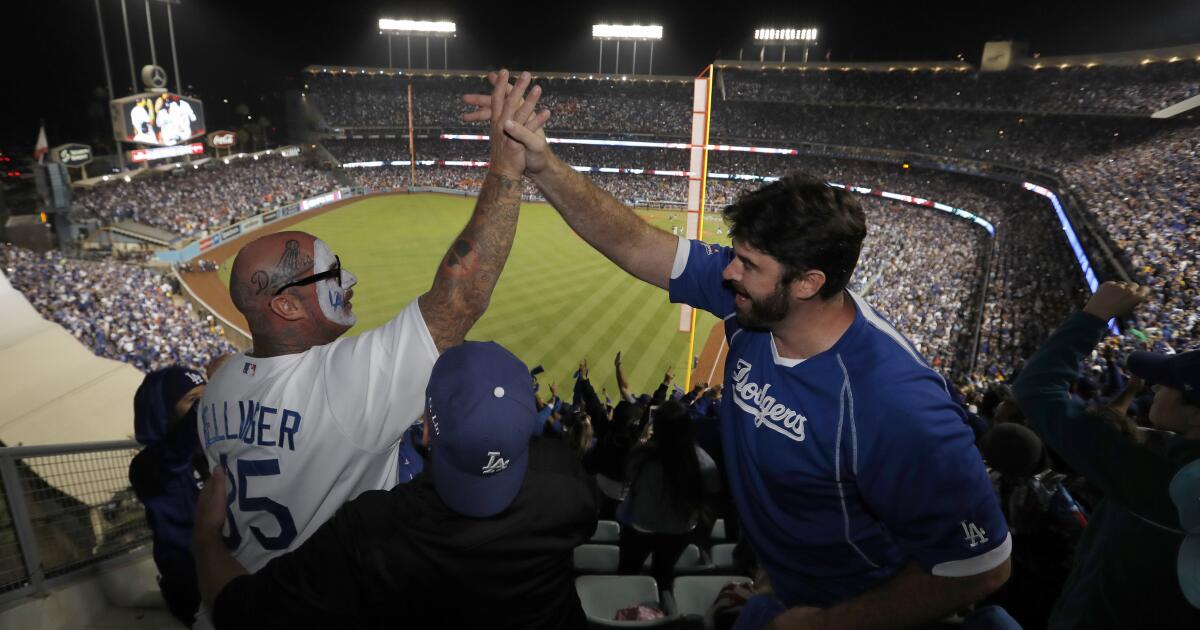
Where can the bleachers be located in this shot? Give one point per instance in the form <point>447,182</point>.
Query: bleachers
<point>700,574</point>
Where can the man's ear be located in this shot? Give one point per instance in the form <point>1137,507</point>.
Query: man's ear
<point>288,307</point>
<point>807,285</point>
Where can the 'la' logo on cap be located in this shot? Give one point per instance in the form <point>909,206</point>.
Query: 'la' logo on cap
<point>495,463</point>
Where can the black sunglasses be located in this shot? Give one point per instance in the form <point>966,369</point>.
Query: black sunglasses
<point>334,272</point>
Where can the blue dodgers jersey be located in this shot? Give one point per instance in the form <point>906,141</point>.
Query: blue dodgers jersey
<point>850,464</point>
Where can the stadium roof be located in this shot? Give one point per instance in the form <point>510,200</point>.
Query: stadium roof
<point>845,66</point>
<point>410,72</point>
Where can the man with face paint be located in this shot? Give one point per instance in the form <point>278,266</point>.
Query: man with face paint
<point>308,419</point>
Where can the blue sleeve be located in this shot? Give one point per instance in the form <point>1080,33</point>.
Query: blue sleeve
<point>927,482</point>
<point>696,278</point>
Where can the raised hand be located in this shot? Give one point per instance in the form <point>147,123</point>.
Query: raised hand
<point>669,376</point>
<point>1116,299</point>
<point>513,116</point>
<point>510,103</point>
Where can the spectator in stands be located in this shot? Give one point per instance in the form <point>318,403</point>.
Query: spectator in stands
<point>119,311</point>
<point>482,539</point>
<point>799,335</point>
<point>196,201</point>
<point>164,421</point>
<point>1045,520</point>
<point>1125,572</point>
<point>669,479</point>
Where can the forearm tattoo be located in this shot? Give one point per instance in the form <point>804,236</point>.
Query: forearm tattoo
<point>469,271</point>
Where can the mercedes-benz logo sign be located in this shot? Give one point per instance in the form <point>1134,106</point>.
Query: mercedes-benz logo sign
<point>154,76</point>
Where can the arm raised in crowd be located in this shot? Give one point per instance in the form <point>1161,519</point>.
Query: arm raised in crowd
<point>614,229</point>
<point>467,275</point>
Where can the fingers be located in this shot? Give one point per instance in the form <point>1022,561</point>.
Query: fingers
<point>513,100</point>
<point>539,120</point>
<point>525,112</point>
<point>521,134</point>
<point>498,94</point>
<point>483,105</point>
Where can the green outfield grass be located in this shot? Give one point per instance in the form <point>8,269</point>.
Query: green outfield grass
<point>558,300</point>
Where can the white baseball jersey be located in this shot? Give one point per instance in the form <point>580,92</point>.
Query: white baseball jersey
<point>301,434</point>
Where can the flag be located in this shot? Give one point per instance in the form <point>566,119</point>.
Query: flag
<point>42,147</point>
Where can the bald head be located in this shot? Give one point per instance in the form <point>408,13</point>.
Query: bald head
<point>266,264</point>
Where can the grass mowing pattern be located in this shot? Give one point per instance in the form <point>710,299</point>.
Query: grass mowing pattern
<point>558,300</point>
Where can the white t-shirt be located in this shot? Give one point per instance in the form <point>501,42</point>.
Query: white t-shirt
<point>322,426</point>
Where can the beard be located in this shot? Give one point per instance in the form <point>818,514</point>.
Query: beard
<point>760,313</point>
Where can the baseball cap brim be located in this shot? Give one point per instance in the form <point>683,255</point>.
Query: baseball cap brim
<point>478,496</point>
<point>1152,368</point>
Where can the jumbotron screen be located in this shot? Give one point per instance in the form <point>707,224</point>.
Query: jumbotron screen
<point>157,119</point>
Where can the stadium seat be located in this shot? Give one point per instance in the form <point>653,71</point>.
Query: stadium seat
<point>597,558</point>
<point>603,595</point>
<point>607,532</point>
<point>693,594</point>
<point>718,530</point>
<point>692,560</point>
<point>722,557</point>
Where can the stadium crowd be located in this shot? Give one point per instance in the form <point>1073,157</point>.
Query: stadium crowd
<point>192,202</point>
<point>118,311</point>
<point>1140,89</point>
<point>927,271</point>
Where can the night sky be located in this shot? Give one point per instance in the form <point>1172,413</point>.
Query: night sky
<point>250,51</point>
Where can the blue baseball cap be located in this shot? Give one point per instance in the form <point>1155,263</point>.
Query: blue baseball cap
<point>1177,371</point>
<point>480,407</point>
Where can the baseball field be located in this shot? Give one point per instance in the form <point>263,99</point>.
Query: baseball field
<point>557,302</point>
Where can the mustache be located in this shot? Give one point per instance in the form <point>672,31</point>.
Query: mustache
<point>736,287</point>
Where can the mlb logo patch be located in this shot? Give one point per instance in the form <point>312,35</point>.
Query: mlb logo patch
<point>248,369</point>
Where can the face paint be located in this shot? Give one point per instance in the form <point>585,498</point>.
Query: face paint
<point>332,298</point>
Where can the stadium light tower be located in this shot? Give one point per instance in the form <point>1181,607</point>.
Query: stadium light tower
<point>785,37</point>
<point>408,28</point>
<point>627,32</point>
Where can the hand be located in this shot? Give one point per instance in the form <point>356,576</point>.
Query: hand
<point>797,619</point>
<point>509,103</point>
<point>1116,299</point>
<point>522,125</point>
<point>583,370</point>
<point>669,376</point>
<point>554,390</point>
<point>210,507</point>
<point>617,361</point>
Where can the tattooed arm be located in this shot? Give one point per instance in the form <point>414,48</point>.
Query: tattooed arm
<point>468,273</point>
<point>464,281</point>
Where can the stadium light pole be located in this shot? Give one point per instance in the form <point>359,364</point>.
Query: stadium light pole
<point>174,55</point>
<point>150,33</point>
<point>108,76</point>
<point>631,32</point>
<point>129,48</point>
<point>767,36</point>
<point>443,29</point>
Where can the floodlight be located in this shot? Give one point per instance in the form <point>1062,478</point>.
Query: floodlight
<point>416,27</point>
<point>785,34</point>
<point>626,31</point>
